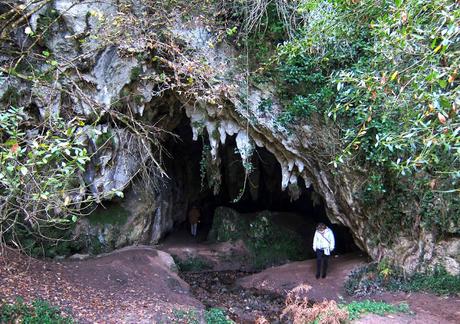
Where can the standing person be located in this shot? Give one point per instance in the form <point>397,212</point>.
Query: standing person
<point>323,244</point>
<point>194,219</point>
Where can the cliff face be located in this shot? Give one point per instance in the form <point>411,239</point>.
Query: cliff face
<point>130,69</point>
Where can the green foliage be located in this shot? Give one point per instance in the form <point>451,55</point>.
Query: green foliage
<point>216,316</point>
<point>52,242</point>
<point>114,214</point>
<point>232,31</point>
<point>204,164</point>
<point>135,73</point>
<point>42,192</point>
<point>387,75</point>
<point>364,281</point>
<point>211,316</point>
<point>227,226</point>
<point>186,316</point>
<point>271,244</point>
<point>40,312</point>
<point>47,20</point>
<point>191,264</point>
<point>397,111</point>
<point>357,308</point>
<point>438,281</point>
<point>268,242</point>
<point>39,171</point>
<point>262,43</point>
<point>265,105</point>
<point>375,277</point>
<point>104,138</point>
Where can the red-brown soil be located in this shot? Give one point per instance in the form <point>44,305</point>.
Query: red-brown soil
<point>286,277</point>
<point>427,308</point>
<point>131,285</point>
<point>220,256</point>
<point>139,285</point>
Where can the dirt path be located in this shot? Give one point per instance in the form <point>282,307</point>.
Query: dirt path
<point>286,277</point>
<point>427,308</point>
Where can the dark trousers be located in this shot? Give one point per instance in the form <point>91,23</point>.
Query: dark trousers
<point>321,262</point>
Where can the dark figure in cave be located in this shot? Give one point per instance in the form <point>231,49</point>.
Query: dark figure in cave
<point>194,219</point>
<point>323,245</point>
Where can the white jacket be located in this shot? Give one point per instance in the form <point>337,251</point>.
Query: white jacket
<point>324,241</point>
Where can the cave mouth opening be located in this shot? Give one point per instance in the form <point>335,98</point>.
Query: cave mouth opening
<point>262,191</point>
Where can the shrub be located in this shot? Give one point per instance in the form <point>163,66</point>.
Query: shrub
<point>216,316</point>
<point>211,316</point>
<point>387,76</point>
<point>40,312</point>
<point>268,242</point>
<point>374,277</point>
<point>192,264</point>
<point>438,281</point>
<point>299,310</point>
<point>186,316</point>
<point>364,281</point>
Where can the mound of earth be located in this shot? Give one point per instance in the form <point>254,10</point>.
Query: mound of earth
<point>136,284</point>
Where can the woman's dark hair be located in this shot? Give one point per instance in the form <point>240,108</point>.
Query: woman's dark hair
<point>321,226</point>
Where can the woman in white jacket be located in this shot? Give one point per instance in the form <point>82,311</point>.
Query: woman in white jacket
<point>323,245</point>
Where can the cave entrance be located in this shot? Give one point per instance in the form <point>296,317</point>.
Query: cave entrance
<point>185,164</point>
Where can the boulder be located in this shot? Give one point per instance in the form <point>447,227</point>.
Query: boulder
<point>271,237</point>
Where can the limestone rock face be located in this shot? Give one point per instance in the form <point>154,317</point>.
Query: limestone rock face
<point>110,54</point>
<point>141,217</point>
<point>118,223</point>
<point>426,254</point>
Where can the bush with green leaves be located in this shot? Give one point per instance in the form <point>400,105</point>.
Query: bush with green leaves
<point>192,264</point>
<point>386,74</point>
<point>216,316</point>
<point>192,316</point>
<point>376,277</point>
<point>39,312</point>
<point>42,187</point>
<point>40,172</point>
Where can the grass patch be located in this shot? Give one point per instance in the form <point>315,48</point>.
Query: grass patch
<point>39,312</point>
<point>357,308</point>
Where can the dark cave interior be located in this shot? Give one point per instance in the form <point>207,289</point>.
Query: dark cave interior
<point>263,187</point>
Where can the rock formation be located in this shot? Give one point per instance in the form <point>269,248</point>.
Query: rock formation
<point>121,69</point>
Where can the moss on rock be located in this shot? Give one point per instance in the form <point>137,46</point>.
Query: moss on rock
<point>115,215</point>
<point>269,242</point>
